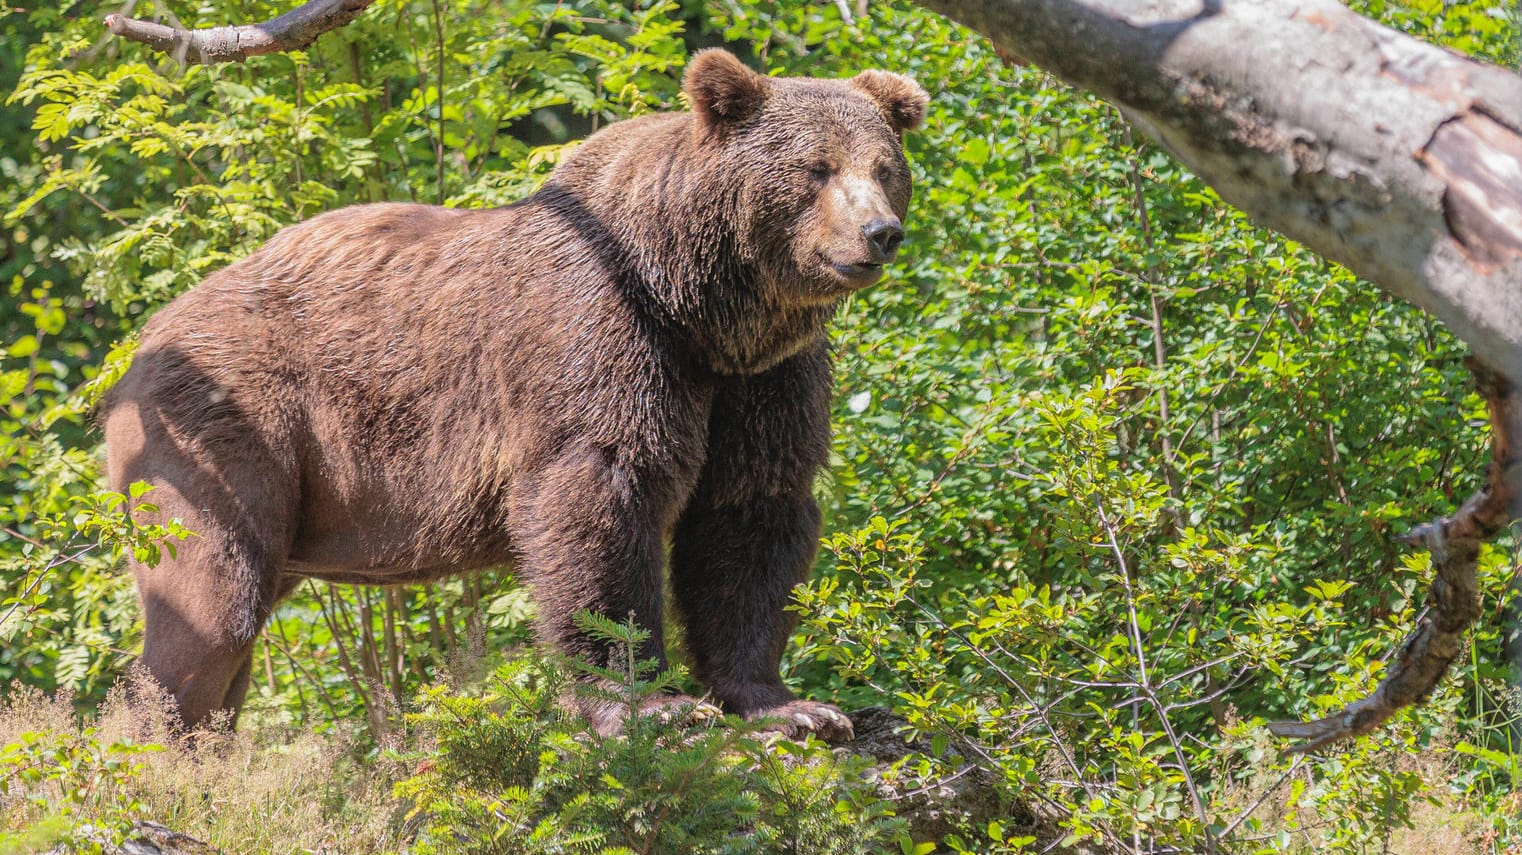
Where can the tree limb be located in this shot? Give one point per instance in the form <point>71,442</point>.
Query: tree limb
<point>292,31</point>
<point>1399,159</point>
<point>1454,599</point>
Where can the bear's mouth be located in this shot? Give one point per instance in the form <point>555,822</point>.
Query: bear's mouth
<point>861,271</point>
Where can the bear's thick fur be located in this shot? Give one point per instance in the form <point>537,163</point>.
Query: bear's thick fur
<point>635,355</point>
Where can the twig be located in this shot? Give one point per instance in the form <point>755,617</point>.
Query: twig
<point>1247,812</point>
<point>1041,713</point>
<point>438,148</point>
<point>356,679</point>
<point>57,561</point>
<point>1146,683</point>
<point>1454,598</point>
<point>285,651</point>
<point>1155,322</point>
<point>292,31</point>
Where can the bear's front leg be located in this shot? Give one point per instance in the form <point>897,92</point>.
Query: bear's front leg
<point>589,529</point>
<point>749,534</point>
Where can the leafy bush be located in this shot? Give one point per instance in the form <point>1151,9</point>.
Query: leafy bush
<point>506,772</point>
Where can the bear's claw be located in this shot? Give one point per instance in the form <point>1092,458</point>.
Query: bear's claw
<point>796,719</point>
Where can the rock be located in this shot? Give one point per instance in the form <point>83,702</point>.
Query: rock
<point>145,838</point>
<point>966,798</point>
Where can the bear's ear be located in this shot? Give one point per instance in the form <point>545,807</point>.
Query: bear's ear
<point>902,101</point>
<point>722,89</point>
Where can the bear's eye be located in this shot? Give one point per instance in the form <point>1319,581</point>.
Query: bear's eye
<point>820,171</point>
<point>882,173</point>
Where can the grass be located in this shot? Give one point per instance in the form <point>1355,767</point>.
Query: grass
<point>259,790</point>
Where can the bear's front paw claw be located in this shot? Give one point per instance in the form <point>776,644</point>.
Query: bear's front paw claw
<point>796,719</point>
<point>682,710</point>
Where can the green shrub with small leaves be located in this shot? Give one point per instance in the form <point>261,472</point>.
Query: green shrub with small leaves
<point>505,771</point>
<point>49,781</point>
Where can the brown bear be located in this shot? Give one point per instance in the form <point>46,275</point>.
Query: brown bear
<point>634,357</point>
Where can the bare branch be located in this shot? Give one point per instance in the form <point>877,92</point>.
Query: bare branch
<point>292,31</point>
<point>1454,600</point>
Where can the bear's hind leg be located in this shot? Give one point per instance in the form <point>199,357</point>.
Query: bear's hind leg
<point>202,611</point>
<point>206,600</point>
<point>183,421</point>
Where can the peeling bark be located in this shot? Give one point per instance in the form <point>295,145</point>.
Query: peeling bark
<point>1479,160</point>
<point>292,31</point>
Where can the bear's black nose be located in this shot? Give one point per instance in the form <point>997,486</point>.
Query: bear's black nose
<point>884,236</point>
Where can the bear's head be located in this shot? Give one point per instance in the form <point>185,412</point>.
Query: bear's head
<point>817,166</point>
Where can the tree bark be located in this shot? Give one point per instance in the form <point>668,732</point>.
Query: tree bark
<point>292,31</point>
<point>1399,159</point>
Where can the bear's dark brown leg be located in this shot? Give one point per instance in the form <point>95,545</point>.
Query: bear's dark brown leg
<point>733,570</point>
<point>588,530</point>
<point>749,534</point>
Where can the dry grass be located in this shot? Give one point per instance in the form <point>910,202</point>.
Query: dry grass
<point>276,791</point>
<point>1445,827</point>
<point>1440,822</point>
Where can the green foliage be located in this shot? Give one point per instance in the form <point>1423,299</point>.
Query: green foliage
<point>1115,474</point>
<point>627,682</point>
<point>67,588</point>
<point>507,772</point>
<point>50,779</point>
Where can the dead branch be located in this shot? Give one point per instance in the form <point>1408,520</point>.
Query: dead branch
<point>292,31</point>
<point>1453,602</point>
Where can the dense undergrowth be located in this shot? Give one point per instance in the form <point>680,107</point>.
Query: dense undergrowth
<point>1115,475</point>
<point>492,765</point>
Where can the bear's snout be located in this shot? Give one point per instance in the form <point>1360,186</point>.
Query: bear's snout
<point>883,238</point>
